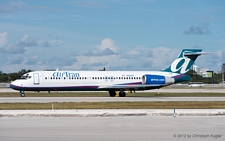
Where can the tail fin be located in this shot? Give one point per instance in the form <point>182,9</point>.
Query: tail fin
<point>184,61</point>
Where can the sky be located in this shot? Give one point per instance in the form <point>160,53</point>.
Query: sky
<point>115,34</point>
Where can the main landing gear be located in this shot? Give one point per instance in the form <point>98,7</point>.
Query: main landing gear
<point>22,94</point>
<point>113,93</point>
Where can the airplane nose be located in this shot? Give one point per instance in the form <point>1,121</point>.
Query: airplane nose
<point>14,85</point>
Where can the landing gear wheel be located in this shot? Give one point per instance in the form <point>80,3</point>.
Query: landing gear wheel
<point>112,93</point>
<point>122,94</point>
<point>22,94</point>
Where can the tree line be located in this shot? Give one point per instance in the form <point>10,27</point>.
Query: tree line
<point>8,77</point>
<point>216,79</point>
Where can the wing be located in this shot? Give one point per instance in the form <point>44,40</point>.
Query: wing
<point>131,86</point>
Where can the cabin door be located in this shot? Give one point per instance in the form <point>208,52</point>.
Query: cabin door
<point>36,79</point>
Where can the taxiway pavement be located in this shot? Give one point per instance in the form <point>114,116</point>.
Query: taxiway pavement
<point>128,128</point>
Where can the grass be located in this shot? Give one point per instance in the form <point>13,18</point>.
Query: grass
<point>116,105</point>
<point>105,94</point>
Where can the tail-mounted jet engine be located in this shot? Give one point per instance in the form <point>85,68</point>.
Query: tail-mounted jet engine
<point>157,80</point>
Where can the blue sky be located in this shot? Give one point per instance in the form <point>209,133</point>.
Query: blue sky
<point>117,35</point>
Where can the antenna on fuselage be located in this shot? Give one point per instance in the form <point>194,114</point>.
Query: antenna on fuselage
<point>57,69</point>
<point>102,69</point>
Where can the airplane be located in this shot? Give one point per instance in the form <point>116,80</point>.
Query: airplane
<point>111,81</point>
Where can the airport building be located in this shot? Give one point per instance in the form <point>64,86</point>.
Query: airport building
<point>223,68</point>
<point>196,69</point>
<point>203,71</point>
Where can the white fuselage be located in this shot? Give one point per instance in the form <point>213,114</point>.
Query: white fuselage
<point>89,80</point>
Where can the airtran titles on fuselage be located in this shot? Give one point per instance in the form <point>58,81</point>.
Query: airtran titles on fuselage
<point>65,74</point>
<point>155,79</point>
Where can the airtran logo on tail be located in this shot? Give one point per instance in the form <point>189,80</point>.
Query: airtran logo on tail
<point>182,64</point>
<point>184,61</point>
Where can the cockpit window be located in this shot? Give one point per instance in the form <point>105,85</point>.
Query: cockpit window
<point>25,76</point>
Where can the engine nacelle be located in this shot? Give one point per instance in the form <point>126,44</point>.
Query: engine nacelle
<point>157,79</point>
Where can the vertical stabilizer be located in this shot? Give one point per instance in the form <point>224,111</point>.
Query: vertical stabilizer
<point>184,61</point>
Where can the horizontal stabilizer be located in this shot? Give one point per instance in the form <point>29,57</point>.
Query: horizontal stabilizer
<point>186,54</point>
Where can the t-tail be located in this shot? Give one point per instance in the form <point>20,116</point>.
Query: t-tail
<point>184,61</point>
<point>183,64</point>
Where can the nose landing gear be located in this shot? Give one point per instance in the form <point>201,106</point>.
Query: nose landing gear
<point>22,94</point>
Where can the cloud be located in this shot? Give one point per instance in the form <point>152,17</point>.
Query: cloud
<point>20,46</point>
<point>32,60</point>
<point>211,61</point>
<point>61,61</point>
<point>98,64</point>
<point>104,52</point>
<point>108,51</point>
<point>139,58</point>
<point>139,52</point>
<point>12,6</point>
<point>149,58</point>
<point>51,43</point>
<point>105,55</point>
<point>46,44</point>
<point>27,41</point>
<point>14,49</point>
<point>15,60</point>
<point>107,43</point>
<point>3,39</point>
<point>198,30</point>
<point>107,47</point>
